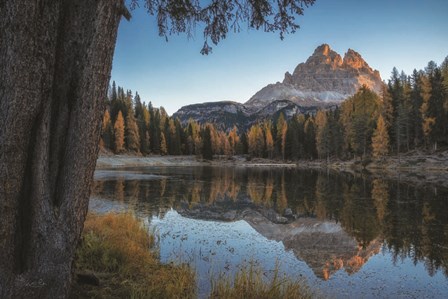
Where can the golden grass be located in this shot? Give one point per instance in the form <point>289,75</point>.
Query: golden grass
<point>116,248</point>
<point>249,283</point>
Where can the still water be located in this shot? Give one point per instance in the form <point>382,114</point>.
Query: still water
<point>347,235</point>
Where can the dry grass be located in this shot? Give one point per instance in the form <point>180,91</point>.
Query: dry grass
<point>116,248</point>
<point>250,284</point>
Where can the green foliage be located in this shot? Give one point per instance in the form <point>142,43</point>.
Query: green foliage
<point>207,150</point>
<point>132,136</point>
<point>359,114</point>
<point>414,110</point>
<point>218,17</point>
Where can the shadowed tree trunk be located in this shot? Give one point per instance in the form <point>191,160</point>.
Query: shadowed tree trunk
<point>55,63</point>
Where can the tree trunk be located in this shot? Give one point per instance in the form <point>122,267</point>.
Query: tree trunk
<point>55,63</point>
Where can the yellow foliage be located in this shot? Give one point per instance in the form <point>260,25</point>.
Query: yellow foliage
<point>116,247</point>
<point>250,284</point>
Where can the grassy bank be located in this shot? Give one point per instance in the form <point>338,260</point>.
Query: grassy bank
<point>249,283</point>
<point>116,260</point>
<point>116,249</point>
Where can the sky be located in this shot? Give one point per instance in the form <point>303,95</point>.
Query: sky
<point>406,34</point>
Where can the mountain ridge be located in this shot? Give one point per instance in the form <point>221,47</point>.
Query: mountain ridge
<point>325,79</point>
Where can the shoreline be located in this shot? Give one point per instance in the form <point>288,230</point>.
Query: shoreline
<point>415,168</point>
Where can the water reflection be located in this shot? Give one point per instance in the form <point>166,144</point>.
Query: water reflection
<point>331,221</point>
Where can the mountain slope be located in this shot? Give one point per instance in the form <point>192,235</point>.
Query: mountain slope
<point>324,80</point>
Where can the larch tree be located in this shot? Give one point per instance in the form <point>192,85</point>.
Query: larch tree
<point>119,133</point>
<point>380,139</point>
<point>55,64</point>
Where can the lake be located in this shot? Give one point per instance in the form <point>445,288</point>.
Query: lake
<point>347,235</point>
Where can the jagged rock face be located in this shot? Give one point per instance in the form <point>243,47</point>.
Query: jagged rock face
<point>226,115</point>
<point>223,114</point>
<point>324,78</point>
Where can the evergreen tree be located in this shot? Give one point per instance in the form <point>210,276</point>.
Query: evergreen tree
<point>310,139</point>
<point>243,146</point>
<point>131,133</point>
<point>280,136</point>
<point>427,118</point>
<point>107,131</point>
<point>291,143</point>
<point>207,151</point>
<point>322,135</point>
<point>163,146</point>
<point>416,100</point>
<point>359,114</point>
<point>155,130</point>
<point>119,133</point>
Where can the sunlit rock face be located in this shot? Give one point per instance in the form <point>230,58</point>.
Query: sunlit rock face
<point>324,78</point>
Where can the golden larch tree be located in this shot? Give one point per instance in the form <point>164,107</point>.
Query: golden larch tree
<point>119,133</point>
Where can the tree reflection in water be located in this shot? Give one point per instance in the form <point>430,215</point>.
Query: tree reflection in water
<point>411,221</point>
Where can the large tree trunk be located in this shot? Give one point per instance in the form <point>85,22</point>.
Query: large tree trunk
<point>55,63</point>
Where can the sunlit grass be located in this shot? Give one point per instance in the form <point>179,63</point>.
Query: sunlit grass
<point>249,283</point>
<point>116,249</point>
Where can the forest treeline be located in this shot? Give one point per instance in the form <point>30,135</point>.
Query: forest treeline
<point>410,113</point>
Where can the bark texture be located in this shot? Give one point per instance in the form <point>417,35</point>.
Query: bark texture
<point>55,63</point>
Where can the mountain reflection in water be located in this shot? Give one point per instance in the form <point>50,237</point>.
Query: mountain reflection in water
<point>330,221</point>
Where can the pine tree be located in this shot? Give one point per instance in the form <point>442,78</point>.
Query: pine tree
<point>291,143</point>
<point>428,120</point>
<point>131,133</point>
<point>119,133</point>
<point>310,138</point>
<point>359,114</point>
<point>380,139</point>
<point>107,131</point>
<point>322,135</point>
<point>163,146</point>
<point>207,151</point>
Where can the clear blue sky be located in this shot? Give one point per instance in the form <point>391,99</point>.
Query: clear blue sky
<point>387,33</point>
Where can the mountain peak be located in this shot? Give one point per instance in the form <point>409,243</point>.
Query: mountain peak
<point>324,55</point>
<point>354,59</point>
<point>323,49</point>
<point>324,78</point>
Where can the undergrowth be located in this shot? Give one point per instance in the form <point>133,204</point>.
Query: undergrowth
<point>116,249</point>
<point>249,283</point>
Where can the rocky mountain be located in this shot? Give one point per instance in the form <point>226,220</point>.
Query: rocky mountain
<point>227,114</point>
<point>325,79</point>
